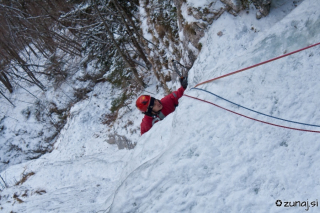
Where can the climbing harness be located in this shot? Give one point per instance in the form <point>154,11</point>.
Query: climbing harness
<point>160,117</point>
<point>247,68</point>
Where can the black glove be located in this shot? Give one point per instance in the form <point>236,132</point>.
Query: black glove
<point>183,82</point>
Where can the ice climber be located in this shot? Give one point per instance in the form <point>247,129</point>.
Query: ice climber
<point>156,110</point>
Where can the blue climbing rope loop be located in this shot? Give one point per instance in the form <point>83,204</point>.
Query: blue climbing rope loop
<point>256,111</point>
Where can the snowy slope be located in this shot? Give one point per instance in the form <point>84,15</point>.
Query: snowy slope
<point>79,173</point>
<point>214,161</point>
<point>200,158</point>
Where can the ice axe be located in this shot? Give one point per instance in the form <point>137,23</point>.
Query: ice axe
<point>180,75</point>
<point>175,68</point>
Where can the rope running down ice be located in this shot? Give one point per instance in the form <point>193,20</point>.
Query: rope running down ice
<point>256,65</point>
<point>247,68</point>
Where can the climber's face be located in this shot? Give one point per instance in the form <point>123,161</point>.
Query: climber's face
<point>156,107</point>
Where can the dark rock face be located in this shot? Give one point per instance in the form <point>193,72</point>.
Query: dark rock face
<point>235,5</point>
<point>193,31</point>
<point>263,6</point>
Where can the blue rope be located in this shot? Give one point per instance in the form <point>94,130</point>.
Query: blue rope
<point>253,110</point>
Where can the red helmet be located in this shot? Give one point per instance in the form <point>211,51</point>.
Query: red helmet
<point>143,102</point>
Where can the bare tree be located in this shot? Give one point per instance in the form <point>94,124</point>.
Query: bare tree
<point>5,81</point>
<point>125,58</point>
<point>7,99</point>
<point>125,19</point>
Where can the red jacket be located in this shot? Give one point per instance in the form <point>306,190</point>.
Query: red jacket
<point>169,104</point>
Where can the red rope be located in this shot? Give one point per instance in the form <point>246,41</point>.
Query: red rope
<point>256,65</point>
<point>305,130</point>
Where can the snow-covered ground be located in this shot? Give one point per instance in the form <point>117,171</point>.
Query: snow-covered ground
<point>200,158</point>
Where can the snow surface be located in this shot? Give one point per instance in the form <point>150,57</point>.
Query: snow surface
<point>26,129</point>
<point>200,158</point>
